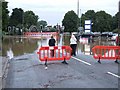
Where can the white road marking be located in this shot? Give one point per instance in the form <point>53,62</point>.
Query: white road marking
<point>81,61</point>
<point>113,74</point>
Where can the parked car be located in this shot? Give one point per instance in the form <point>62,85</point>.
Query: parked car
<point>114,36</point>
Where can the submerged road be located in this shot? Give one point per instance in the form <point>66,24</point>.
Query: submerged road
<point>82,72</point>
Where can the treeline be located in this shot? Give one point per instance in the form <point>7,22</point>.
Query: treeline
<point>101,21</point>
<point>19,19</point>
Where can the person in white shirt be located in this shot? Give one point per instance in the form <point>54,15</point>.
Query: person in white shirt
<point>73,44</point>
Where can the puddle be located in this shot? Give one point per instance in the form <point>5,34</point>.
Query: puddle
<point>22,59</point>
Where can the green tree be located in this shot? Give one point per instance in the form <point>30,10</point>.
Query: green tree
<point>16,17</point>
<point>30,19</point>
<point>53,30</point>
<point>70,21</point>
<point>103,22</point>
<point>89,15</point>
<point>0,15</point>
<point>5,16</point>
<point>115,21</point>
<point>16,20</point>
<point>41,23</point>
<point>0,21</point>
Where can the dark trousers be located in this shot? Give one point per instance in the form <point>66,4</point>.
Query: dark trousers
<point>73,46</point>
<point>52,53</point>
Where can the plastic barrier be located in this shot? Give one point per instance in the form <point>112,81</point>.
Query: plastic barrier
<point>37,34</point>
<point>60,53</point>
<point>106,52</point>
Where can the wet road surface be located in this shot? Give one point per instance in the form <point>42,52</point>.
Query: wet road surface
<point>83,71</point>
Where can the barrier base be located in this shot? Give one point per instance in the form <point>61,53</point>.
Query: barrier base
<point>116,61</point>
<point>64,62</point>
<point>46,63</point>
<point>99,61</point>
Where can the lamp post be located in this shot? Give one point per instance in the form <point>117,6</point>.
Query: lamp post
<point>63,35</point>
<point>41,27</point>
<point>78,8</point>
<point>119,23</point>
<point>78,14</point>
<point>80,22</point>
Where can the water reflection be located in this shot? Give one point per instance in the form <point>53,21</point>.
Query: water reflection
<point>10,54</point>
<point>19,45</point>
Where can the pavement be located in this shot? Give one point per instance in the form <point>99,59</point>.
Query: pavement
<point>4,67</point>
<point>0,72</point>
<point>82,71</point>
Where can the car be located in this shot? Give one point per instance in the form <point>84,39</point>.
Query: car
<point>114,36</point>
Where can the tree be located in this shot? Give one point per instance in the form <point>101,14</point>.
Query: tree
<point>5,16</point>
<point>70,21</point>
<point>115,21</point>
<point>53,29</point>
<point>30,19</point>
<point>0,20</point>
<point>16,20</point>
<point>89,15</point>
<point>41,23</point>
<point>103,22</point>
<point>16,17</point>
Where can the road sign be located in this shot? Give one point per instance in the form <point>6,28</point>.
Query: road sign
<point>87,25</point>
<point>87,22</point>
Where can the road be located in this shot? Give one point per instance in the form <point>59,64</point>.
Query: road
<point>83,71</point>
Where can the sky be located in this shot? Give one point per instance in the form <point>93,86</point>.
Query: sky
<point>53,11</point>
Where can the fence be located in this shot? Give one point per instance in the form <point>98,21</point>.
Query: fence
<point>54,53</point>
<point>106,52</point>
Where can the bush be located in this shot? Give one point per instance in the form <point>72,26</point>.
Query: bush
<point>53,30</point>
<point>116,30</point>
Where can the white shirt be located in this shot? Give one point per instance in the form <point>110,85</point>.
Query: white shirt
<point>73,40</point>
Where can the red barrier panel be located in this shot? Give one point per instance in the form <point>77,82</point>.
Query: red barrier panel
<point>60,53</point>
<point>37,34</point>
<point>106,52</point>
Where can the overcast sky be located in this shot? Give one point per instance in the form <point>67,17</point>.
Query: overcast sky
<point>53,11</point>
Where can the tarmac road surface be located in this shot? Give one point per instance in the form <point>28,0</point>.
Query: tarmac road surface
<point>82,72</point>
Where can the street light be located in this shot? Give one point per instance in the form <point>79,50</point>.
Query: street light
<point>41,34</point>
<point>119,23</point>
<point>22,29</point>
<point>80,21</point>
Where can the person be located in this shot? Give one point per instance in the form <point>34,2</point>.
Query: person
<point>118,40</point>
<point>73,44</point>
<point>52,43</point>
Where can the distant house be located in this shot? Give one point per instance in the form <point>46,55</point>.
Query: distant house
<point>49,27</point>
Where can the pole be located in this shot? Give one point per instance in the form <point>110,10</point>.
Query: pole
<point>119,23</point>
<point>22,23</point>
<point>63,38</point>
<point>41,38</point>
<point>78,8</point>
<point>80,17</point>
<point>80,23</point>
<point>41,27</point>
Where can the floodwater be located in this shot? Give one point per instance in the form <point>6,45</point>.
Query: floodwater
<point>17,45</point>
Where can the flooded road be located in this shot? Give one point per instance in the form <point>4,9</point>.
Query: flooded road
<point>27,71</point>
<point>17,45</point>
